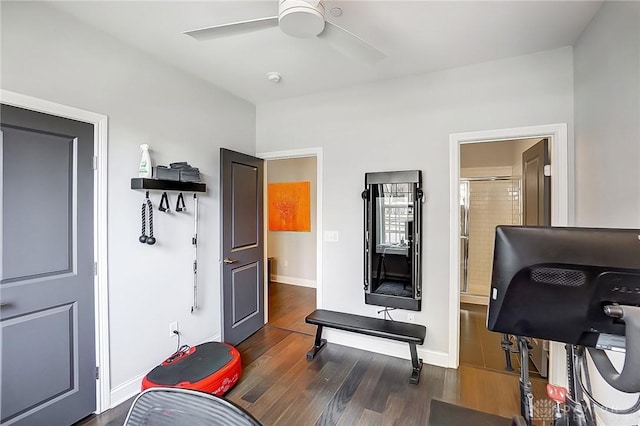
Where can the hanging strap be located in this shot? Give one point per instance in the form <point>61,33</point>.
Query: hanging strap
<point>164,203</point>
<point>180,207</point>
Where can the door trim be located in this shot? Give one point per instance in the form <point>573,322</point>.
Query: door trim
<point>559,216</point>
<point>298,153</point>
<point>100,121</point>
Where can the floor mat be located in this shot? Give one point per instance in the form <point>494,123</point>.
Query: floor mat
<point>445,414</point>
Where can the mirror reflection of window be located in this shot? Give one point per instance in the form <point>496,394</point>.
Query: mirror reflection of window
<point>394,213</point>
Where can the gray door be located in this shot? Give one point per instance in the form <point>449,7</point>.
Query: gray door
<point>536,192</point>
<point>242,245</point>
<point>47,306</point>
<point>536,211</point>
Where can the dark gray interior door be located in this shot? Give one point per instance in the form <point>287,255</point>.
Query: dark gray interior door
<point>47,296</point>
<point>242,250</point>
<point>536,187</point>
<point>536,211</point>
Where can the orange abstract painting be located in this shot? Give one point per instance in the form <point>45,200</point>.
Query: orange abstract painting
<point>289,207</point>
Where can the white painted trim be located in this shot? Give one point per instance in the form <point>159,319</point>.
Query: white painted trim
<point>384,347</point>
<point>101,284</point>
<point>283,279</point>
<point>300,153</point>
<point>126,390</point>
<point>559,215</point>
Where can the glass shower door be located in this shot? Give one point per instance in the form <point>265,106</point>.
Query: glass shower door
<point>485,202</point>
<point>464,236</point>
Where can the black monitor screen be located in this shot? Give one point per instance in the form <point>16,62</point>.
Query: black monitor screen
<point>552,283</point>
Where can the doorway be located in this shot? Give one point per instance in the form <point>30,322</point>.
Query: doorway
<point>490,195</point>
<point>293,284</point>
<point>99,122</point>
<point>557,134</point>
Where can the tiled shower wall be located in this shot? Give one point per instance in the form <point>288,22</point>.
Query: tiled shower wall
<point>491,203</point>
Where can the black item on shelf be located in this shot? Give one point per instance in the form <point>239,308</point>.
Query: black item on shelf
<point>187,173</point>
<point>179,165</point>
<point>163,172</point>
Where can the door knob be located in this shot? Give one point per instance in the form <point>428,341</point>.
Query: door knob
<point>229,261</point>
<point>5,305</point>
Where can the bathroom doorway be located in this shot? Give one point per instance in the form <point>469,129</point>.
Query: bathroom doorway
<point>491,194</point>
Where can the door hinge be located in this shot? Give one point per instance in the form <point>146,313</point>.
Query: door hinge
<point>97,373</point>
<point>95,162</point>
<point>95,268</point>
<point>547,170</point>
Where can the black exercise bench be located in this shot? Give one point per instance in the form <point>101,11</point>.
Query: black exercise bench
<point>413,334</point>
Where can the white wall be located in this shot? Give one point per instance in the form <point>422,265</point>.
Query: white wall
<point>607,138</point>
<point>47,55</point>
<point>607,104</point>
<point>294,252</point>
<point>405,124</point>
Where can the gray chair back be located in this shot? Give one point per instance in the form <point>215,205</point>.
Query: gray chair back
<point>184,407</point>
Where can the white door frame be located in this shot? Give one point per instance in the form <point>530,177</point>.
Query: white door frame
<point>101,300</point>
<point>299,153</point>
<point>559,215</point>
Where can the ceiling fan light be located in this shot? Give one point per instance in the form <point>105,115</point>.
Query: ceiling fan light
<point>298,18</point>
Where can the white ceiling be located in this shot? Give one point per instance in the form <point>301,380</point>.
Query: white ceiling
<point>416,36</point>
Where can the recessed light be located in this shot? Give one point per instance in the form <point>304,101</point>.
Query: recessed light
<point>335,12</point>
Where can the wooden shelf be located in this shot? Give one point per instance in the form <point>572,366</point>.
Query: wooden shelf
<point>167,185</point>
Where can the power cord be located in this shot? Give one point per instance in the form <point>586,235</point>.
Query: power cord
<point>581,363</point>
<point>177,333</point>
<point>386,312</point>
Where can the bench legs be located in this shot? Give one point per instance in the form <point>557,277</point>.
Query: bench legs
<point>416,364</point>
<point>318,345</point>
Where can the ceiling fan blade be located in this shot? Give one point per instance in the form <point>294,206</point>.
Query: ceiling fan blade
<point>350,44</point>
<point>226,30</point>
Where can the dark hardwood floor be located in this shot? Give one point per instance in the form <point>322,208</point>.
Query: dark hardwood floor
<point>480,347</point>
<point>289,305</point>
<point>346,386</point>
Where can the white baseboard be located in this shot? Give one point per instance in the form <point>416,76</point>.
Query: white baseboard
<point>122,392</point>
<point>131,387</point>
<point>293,281</point>
<point>384,347</point>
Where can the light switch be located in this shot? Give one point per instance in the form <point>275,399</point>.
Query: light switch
<point>331,236</point>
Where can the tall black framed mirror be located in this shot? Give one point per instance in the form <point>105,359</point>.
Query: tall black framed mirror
<point>392,239</point>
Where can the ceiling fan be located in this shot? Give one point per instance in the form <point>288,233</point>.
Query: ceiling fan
<point>298,18</point>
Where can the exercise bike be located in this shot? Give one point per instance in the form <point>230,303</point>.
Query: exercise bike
<point>578,286</point>
<point>575,406</point>
<point>571,408</point>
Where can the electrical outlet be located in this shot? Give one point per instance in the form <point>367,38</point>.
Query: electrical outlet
<point>173,326</point>
<point>411,317</point>
<point>285,263</point>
